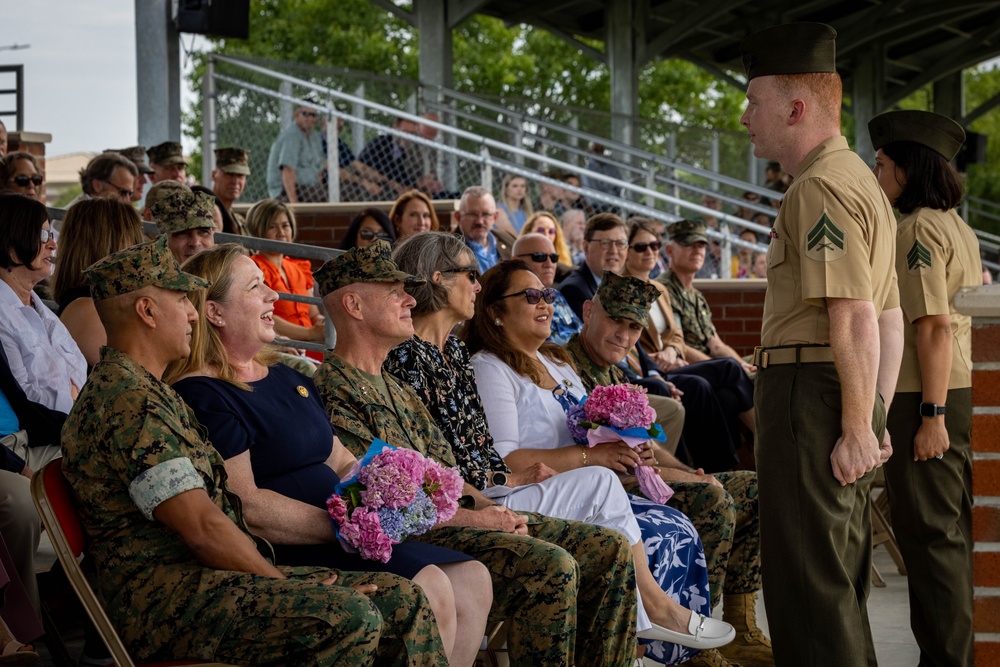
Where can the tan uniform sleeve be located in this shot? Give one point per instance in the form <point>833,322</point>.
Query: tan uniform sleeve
<point>921,267</point>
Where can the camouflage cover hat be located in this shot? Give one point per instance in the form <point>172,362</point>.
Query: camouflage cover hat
<point>793,48</point>
<point>372,264</point>
<point>939,133</point>
<point>687,232</point>
<point>626,297</point>
<point>131,269</point>
<point>180,211</point>
<point>232,160</point>
<point>137,154</point>
<point>162,189</point>
<point>169,152</point>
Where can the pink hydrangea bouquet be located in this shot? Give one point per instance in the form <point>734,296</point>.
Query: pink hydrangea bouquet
<point>620,412</point>
<point>393,494</point>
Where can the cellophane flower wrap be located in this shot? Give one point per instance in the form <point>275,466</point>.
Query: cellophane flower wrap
<point>391,495</point>
<point>620,412</point>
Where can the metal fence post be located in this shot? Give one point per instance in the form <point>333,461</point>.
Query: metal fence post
<point>357,129</point>
<point>486,171</point>
<point>332,157</point>
<point>285,111</point>
<point>209,122</point>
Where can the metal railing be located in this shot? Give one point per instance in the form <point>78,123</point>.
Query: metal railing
<point>17,92</point>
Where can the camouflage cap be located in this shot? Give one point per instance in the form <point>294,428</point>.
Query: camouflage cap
<point>938,133</point>
<point>233,160</point>
<point>372,264</point>
<point>626,297</point>
<point>137,154</point>
<point>162,189</point>
<point>687,232</point>
<point>180,211</point>
<point>131,269</point>
<point>169,152</point>
<point>793,48</point>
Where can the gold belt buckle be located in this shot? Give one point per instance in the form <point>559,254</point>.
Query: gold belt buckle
<point>760,357</point>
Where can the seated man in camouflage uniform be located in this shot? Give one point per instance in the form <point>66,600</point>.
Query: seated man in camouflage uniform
<point>182,576</point>
<point>187,219</point>
<point>567,588</point>
<point>722,507</point>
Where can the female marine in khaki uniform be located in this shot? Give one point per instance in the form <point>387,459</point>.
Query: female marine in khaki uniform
<point>929,474</point>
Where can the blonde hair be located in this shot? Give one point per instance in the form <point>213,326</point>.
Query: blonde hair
<point>559,243</point>
<point>207,349</point>
<point>512,205</point>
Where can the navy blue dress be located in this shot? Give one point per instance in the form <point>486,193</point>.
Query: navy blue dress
<point>283,423</point>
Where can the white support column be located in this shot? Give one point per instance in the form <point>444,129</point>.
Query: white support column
<point>622,61</point>
<point>157,53</point>
<point>435,62</point>
<point>209,121</point>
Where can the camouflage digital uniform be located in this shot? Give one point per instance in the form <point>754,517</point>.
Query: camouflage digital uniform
<point>567,588</point>
<point>691,312</point>
<point>726,518</point>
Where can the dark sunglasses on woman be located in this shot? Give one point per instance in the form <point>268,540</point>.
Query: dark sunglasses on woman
<point>22,181</point>
<point>533,296</point>
<point>371,235</point>
<point>472,271</point>
<point>642,247</point>
<point>540,257</point>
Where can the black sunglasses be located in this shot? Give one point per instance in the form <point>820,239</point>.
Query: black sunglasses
<point>471,270</point>
<point>643,247</point>
<point>540,257</point>
<point>533,296</point>
<point>371,234</point>
<point>22,181</point>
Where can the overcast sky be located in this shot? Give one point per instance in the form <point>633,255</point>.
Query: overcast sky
<point>79,74</point>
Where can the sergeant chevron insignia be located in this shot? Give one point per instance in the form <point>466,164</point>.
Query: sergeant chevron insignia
<point>826,241</point>
<point>918,259</point>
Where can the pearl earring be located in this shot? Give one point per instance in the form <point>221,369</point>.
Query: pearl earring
<point>497,322</point>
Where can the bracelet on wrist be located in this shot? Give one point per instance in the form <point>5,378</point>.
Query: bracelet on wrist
<point>583,450</point>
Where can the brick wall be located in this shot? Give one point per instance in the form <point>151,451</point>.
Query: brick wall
<point>737,308</point>
<point>984,305</point>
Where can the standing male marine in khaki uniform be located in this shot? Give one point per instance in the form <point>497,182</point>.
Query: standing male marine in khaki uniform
<point>832,335</point>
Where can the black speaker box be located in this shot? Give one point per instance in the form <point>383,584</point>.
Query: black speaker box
<point>216,18</point>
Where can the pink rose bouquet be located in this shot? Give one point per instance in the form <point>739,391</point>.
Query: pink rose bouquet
<point>620,412</point>
<point>393,494</point>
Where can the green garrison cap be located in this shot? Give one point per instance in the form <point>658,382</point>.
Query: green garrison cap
<point>142,265</point>
<point>687,232</point>
<point>372,264</point>
<point>793,48</point>
<point>939,133</point>
<point>169,152</point>
<point>137,154</point>
<point>181,210</point>
<point>233,160</point>
<point>626,297</point>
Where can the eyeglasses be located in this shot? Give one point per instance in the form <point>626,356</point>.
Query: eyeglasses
<point>122,192</point>
<point>46,235</point>
<point>478,216</point>
<point>473,272</point>
<point>606,244</point>
<point>643,247</point>
<point>533,296</point>
<point>540,257</point>
<point>22,181</point>
<point>371,234</point>
<point>308,114</point>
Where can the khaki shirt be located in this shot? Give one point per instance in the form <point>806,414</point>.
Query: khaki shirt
<point>937,254</point>
<point>833,237</point>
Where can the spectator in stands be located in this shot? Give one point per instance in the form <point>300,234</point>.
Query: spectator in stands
<point>239,394</point>
<point>19,173</point>
<point>599,164</point>
<point>748,213</point>
<point>220,219</point>
<point>182,577</point>
<point>550,195</point>
<point>91,230</point>
<point>387,155</point>
<point>188,221</point>
<point>573,223</point>
<point>514,207</point>
<point>475,218</point>
<point>108,176</point>
<point>272,219</point>
<point>137,156</point>
<point>358,182</point>
<point>536,583</point>
<point>539,255</point>
<point>758,265</point>
<point>368,226</point>
<point>422,160</point>
<point>743,256</point>
<point>296,161</point>
<point>158,191</point>
<point>3,139</point>
<point>413,212</point>
<point>687,253</point>
<point>571,199</point>
<point>713,257</point>
<point>545,223</point>
<point>773,177</point>
<point>229,178</point>
<point>605,243</point>
<point>42,355</point>
<point>168,162</point>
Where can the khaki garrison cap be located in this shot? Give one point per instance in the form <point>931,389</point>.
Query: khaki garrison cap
<point>180,211</point>
<point>372,264</point>
<point>169,152</point>
<point>687,232</point>
<point>938,133</point>
<point>793,48</point>
<point>232,160</point>
<point>626,297</point>
<point>142,265</point>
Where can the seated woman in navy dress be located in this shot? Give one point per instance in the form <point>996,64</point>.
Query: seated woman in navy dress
<point>283,458</point>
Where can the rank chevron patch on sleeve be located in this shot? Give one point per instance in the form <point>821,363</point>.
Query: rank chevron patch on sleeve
<point>826,241</point>
<point>918,259</point>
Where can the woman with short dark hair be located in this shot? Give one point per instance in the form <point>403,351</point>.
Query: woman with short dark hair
<point>19,173</point>
<point>368,226</point>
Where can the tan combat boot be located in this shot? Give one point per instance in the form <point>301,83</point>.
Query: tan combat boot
<point>750,647</point>
<point>710,658</point>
